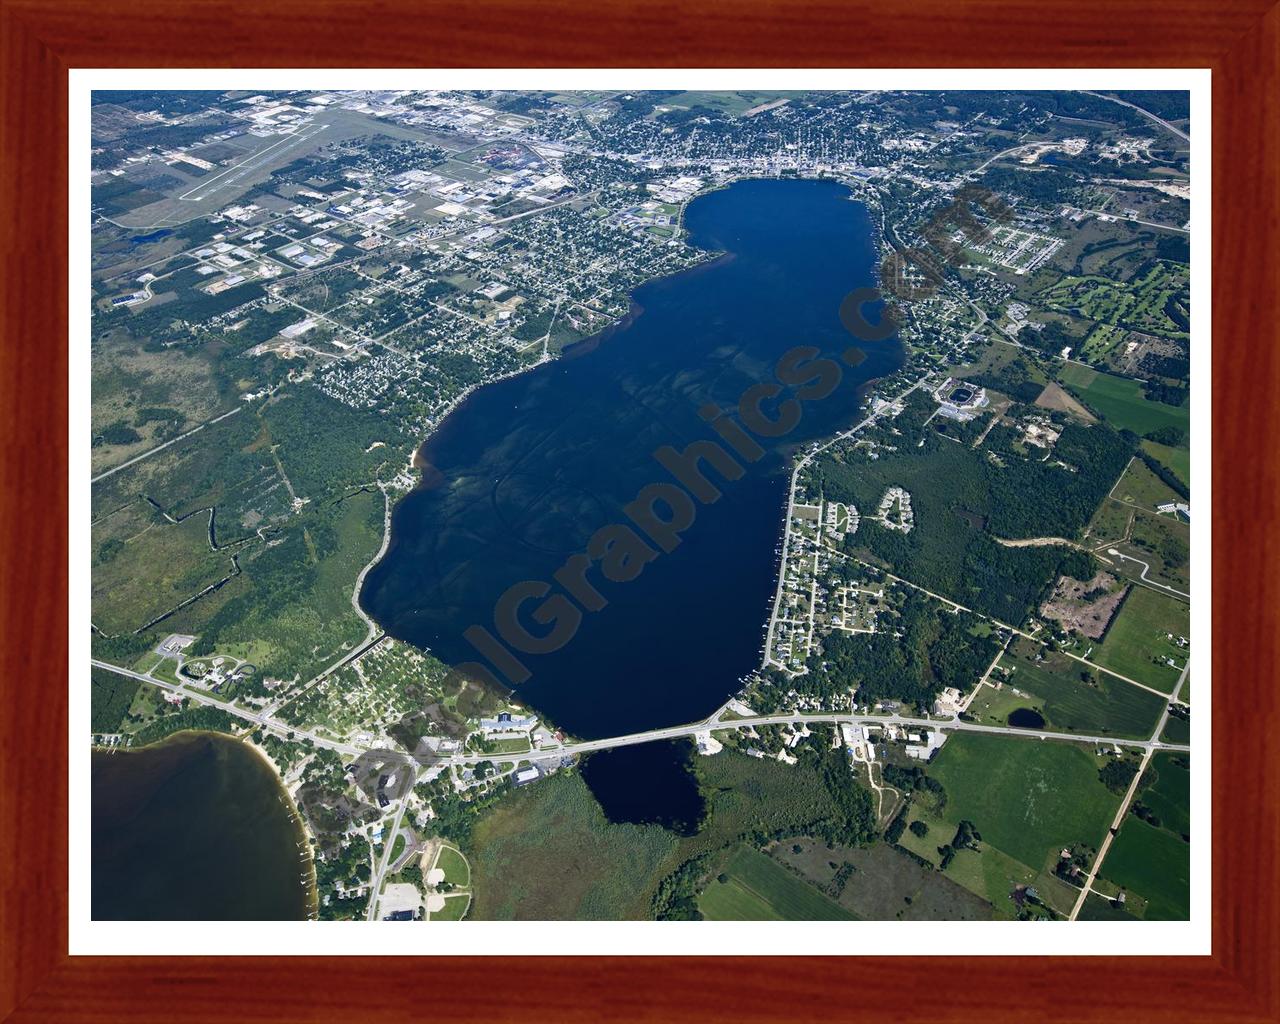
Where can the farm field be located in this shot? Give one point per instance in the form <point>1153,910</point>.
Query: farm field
<point>1121,401</point>
<point>1154,863</point>
<point>884,884</point>
<point>760,889</point>
<point>1137,641</point>
<point>1027,801</point>
<point>1102,705</point>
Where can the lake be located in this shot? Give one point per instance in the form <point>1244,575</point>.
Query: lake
<point>523,473</point>
<point>196,828</point>
<point>647,783</point>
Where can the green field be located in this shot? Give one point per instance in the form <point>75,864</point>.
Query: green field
<point>1176,730</point>
<point>1139,486</point>
<point>606,871</point>
<point>1102,706</point>
<point>454,909</point>
<point>760,889</point>
<point>1121,402</point>
<point>454,865</point>
<point>1097,908</point>
<point>1154,863</point>
<point>1152,857</point>
<point>1028,798</point>
<point>1177,459</point>
<point>1139,636</point>
<point>1170,795</point>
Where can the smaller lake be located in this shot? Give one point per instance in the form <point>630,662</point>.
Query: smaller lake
<point>196,828</point>
<point>1026,718</point>
<point>647,784</point>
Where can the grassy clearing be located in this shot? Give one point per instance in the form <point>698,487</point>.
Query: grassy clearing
<point>145,565</point>
<point>1075,698</point>
<point>1121,402</point>
<point>454,909</point>
<point>1137,643</point>
<point>1139,486</point>
<point>1025,797</point>
<point>758,888</point>
<point>455,867</point>
<point>1177,459</point>
<point>605,871</point>
<point>1152,857</point>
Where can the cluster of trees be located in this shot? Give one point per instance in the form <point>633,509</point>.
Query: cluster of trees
<point>348,866</point>
<point>1167,476</point>
<point>1033,499</point>
<point>854,820</point>
<point>324,444</point>
<point>923,651</point>
<point>1117,773</point>
<point>676,897</point>
<point>966,838</point>
<point>172,718</point>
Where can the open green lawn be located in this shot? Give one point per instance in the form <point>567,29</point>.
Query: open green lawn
<point>454,909</point>
<point>1097,908</point>
<point>758,888</point>
<point>1121,402</point>
<point>397,847</point>
<point>1100,706</point>
<point>455,867</point>
<point>1137,642</point>
<point>1029,798</point>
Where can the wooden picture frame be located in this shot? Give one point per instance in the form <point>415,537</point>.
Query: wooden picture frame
<point>42,39</point>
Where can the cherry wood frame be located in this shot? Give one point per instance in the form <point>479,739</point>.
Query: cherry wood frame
<point>41,39</point>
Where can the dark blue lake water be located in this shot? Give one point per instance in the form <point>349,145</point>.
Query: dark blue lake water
<point>528,469</point>
<point>648,783</point>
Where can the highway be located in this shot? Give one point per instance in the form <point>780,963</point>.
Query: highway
<point>1145,113</point>
<point>261,719</point>
<point>820,718</point>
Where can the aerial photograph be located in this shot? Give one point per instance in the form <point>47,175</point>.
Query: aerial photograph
<point>639,506</point>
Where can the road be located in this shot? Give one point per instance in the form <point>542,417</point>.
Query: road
<point>160,447</point>
<point>1145,113</point>
<point>261,719</point>
<point>1128,799</point>
<point>821,718</point>
<point>791,504</point>
<point>375,886</point>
